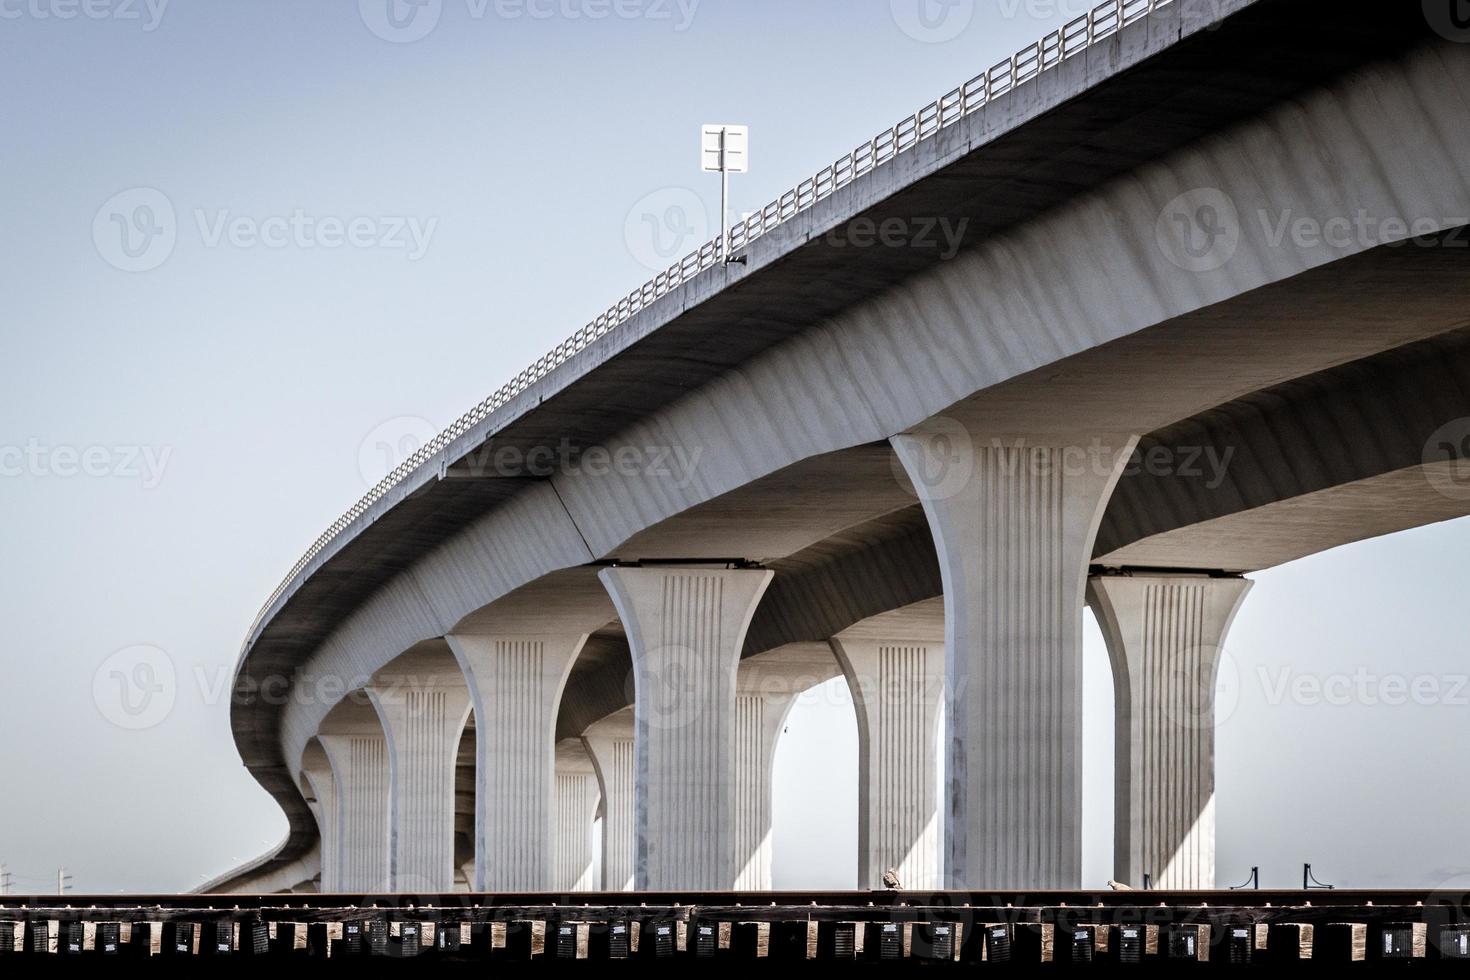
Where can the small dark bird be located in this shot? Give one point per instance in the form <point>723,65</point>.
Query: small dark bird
<point>890,880</point>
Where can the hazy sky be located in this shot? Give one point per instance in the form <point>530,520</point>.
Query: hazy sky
<point>339,237</point>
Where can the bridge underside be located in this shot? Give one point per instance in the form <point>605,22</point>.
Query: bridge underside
<point>1290,402</point>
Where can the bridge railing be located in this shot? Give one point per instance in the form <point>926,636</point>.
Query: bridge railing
<point>1071,39</point>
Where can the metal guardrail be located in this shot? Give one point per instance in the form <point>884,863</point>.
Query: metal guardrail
<point>86,906</point>
<point>1103,21</point>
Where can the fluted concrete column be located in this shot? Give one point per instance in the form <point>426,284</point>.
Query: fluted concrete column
<point>577,798</point>
<point>1164,635</point>
<point>423,707</point>
<point>610,744</point>
<point>516,682</point>
<point>360,767</point>
<point>686,627</point>
<point>321,789</point>
<point>1014,521</point>
<point>766,688</point>
<point>897,686</point>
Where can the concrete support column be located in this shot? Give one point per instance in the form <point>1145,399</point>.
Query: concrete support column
<point>610,744</point>
<point>321,790</point>
<point>1164,635</point>
<point>766,688</point>
<point>897,686</point>
<point>577,797</point>
<point>758,721</point>
<point>423,713</point>
<point>360,768</point>
<point>516,683</point>
<point>686,627</point>
<point>1014,519</point>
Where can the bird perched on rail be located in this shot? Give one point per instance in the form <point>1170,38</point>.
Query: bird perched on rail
<point>1118,886</point>
<point>890,880</point>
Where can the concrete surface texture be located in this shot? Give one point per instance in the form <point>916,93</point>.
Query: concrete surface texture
<point>895,671</point>
<point>516,683</point>
<point>1165,636</point>
<point>358,752</point>
<point>686,628</point>
<point>609,743</point>
<point>577,802</point>
<point>422,703</point>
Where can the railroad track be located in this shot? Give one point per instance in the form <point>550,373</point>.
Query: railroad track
<point>1047,930</point>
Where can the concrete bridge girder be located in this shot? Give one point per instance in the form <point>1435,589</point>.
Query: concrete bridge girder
<point>1077,359</point>
<point>1033,357</point>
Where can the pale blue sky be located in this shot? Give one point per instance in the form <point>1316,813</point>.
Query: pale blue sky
<point>233,395</point>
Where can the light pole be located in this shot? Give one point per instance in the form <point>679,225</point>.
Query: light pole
<point>725,150</point>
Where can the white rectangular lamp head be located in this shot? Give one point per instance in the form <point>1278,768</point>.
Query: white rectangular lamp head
<point>724,149</point>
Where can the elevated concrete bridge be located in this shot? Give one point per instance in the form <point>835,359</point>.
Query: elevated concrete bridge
<point>1210,315</point>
